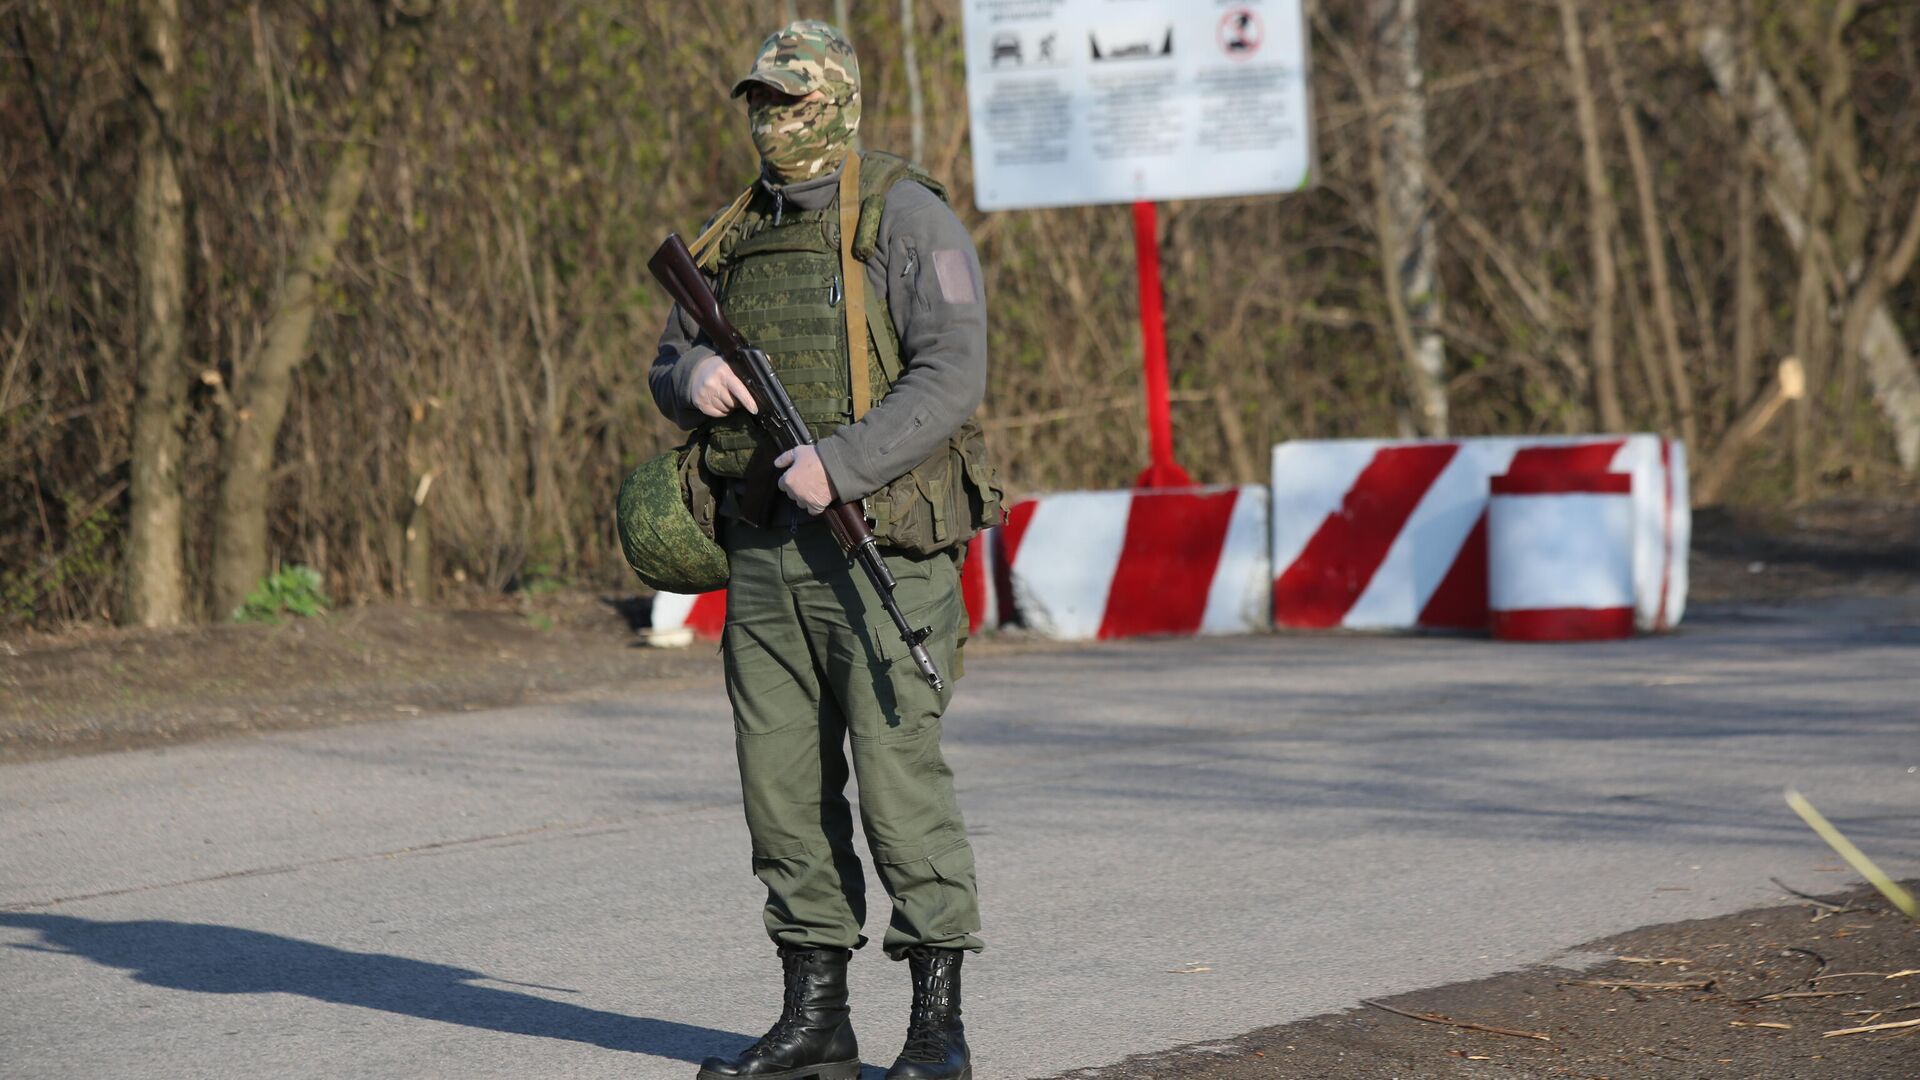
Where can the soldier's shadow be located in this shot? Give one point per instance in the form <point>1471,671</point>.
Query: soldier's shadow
<point>225,960</point>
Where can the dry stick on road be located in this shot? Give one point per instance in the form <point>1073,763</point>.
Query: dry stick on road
<point>1826,909</point>
<point>1436,1018</point>
<point>1871,1027</point>
<point>1617,984</point>
<point>1790,386</point>
<point>1856,858</point>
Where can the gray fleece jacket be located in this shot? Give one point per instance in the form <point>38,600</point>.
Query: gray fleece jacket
<point>925,267</point>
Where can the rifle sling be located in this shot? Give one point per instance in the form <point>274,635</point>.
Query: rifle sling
<point>853,282</point>
<point>708,244</point>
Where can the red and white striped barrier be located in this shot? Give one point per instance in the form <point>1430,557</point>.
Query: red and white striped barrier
<point>1560,556</point>
<point>1088,565</point>
<point>1377,534</point>
<point>977,582</point>
<point>679,619</point>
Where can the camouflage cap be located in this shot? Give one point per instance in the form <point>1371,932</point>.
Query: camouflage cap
<point>802,57</point>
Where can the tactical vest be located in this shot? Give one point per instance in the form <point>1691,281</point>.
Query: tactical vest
<point>778,272</point>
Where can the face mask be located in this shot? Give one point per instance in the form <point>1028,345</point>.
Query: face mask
<point>804,139</point>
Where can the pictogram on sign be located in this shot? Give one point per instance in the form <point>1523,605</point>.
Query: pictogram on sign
<point>1242,33</point>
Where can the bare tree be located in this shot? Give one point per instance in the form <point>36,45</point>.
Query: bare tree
<point>251,423</point>
<point>1653,236</point>
<point>156,579</point>
<point>1789,177</point>
<point>1602,219</point>
<point>1746,287</point>
<point>916,97</point>
<point>490,266</point>
<point>1407,222</point>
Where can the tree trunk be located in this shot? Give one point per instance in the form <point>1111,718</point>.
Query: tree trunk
<point>1718,470</point>
<point>156,575</point>
<point>1888,358</point>
<point>1406,227</point>
<point>1882,276</point>
<point>1746,265</point>
<point>1602,216</point>
<point>252,425</point>
<point>916,98</point>
<point>1653,238</point>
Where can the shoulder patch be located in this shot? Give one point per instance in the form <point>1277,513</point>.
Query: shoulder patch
<point>955,272</point>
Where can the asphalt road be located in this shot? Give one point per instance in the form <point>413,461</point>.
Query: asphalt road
<point>565,891</point>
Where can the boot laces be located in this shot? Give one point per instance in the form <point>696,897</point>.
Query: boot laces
<point>926,1036</point>
<point>791,1013</point>
<point>932,1014</point>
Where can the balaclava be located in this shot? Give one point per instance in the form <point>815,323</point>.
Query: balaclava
<point>805,139</point>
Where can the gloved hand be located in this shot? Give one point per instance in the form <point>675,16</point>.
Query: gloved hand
<point>717,391</point>
<point>805,479</point>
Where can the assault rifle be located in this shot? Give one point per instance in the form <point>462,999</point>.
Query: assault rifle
<point>675,269</point>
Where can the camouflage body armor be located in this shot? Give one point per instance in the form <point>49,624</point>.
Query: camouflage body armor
<point>779,280</point>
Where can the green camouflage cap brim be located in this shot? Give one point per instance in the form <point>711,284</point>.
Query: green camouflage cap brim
<point>787,82</point>
<point>802,57</point>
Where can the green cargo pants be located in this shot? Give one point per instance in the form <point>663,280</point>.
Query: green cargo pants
<point>813,664</point>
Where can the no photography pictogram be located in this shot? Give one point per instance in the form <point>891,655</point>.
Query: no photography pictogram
<point>1242,33</point>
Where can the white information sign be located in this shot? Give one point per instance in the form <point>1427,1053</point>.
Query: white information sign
<point>1107,101</point>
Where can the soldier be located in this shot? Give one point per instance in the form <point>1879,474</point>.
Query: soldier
<point>830,239</point>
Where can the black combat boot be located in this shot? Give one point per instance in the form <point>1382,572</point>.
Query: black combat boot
<point>936,1042</point>
<point>813,1039</point>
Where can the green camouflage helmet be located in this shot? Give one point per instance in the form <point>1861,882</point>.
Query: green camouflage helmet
<point>658,534</point>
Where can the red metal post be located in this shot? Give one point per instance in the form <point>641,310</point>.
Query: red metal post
<point>1163,471</point>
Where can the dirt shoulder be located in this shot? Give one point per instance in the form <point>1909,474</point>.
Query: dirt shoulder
<point>106,689</point>
<point>114,689</point>
<point>1831,549</point>
<point>1749,996</point>
<point>99,689</point>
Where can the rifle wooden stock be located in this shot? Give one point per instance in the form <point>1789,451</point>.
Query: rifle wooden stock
<point>674,267</point>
